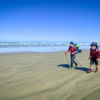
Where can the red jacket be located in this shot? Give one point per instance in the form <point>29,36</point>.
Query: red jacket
<point>72,49</point>
<point>94,53</point>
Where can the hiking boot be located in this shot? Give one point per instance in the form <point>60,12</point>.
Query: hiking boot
<point>96,69</point>
<point>76,64</point>
<point>71,67</point>
<point>89,70</point>
<point>75,67</point>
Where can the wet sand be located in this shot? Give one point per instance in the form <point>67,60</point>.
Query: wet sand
<point>45,76</point>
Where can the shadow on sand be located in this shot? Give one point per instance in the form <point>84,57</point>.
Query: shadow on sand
<point>77,68</point>
<point>64,65</point>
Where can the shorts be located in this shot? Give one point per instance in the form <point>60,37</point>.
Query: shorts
<point>94,61</point>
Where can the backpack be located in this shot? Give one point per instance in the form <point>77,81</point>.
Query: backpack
<point>76,45</point>
<point>77,48</point>
<point>98,54</point>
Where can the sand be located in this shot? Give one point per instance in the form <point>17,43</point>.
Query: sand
<point>45,76</point>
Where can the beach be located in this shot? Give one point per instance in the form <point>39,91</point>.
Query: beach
<point>45,76</point>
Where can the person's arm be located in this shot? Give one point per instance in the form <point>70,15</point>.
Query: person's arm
<point>66,52</point>
<point>90,55</point>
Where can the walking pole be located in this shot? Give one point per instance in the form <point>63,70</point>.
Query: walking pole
<point>78,62</point>
<point>67,59</point>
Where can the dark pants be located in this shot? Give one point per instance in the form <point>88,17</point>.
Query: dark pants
<point>73,60</point>
<point>93,60</point>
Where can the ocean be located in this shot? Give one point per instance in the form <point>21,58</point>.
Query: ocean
<point>11,47</point>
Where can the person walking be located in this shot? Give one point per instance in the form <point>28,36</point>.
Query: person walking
<point>72,50</point>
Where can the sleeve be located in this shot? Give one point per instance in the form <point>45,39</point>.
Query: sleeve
<point>69,49</point>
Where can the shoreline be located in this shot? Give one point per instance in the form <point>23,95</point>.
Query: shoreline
<point>38,52</point>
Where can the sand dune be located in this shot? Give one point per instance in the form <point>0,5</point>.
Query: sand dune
<point>45,76</point>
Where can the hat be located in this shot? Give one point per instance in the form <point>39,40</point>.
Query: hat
<point>71,43</point>
<point>93,44</point>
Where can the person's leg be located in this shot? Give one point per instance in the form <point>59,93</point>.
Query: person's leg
<point>74,60</point>
<point>91,63</point>
<point>71,60</point>
<point>90,68</point>
<point>96,68</point>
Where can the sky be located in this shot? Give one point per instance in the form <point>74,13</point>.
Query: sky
<point>50,20</point>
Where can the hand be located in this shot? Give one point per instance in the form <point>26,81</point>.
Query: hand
<point>66,52</point>
<point>72,53</point>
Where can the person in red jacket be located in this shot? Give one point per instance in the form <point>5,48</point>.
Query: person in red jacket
<point>72,50</point>
<point>93,57</point>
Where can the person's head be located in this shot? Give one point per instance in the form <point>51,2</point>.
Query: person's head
<point>71,43</point>
<point>93,46</point>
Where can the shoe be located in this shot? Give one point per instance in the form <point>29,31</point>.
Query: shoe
<point>89,70</point>
<point>96,69</point>
<point>76,65</point>
<point>71,67</point>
